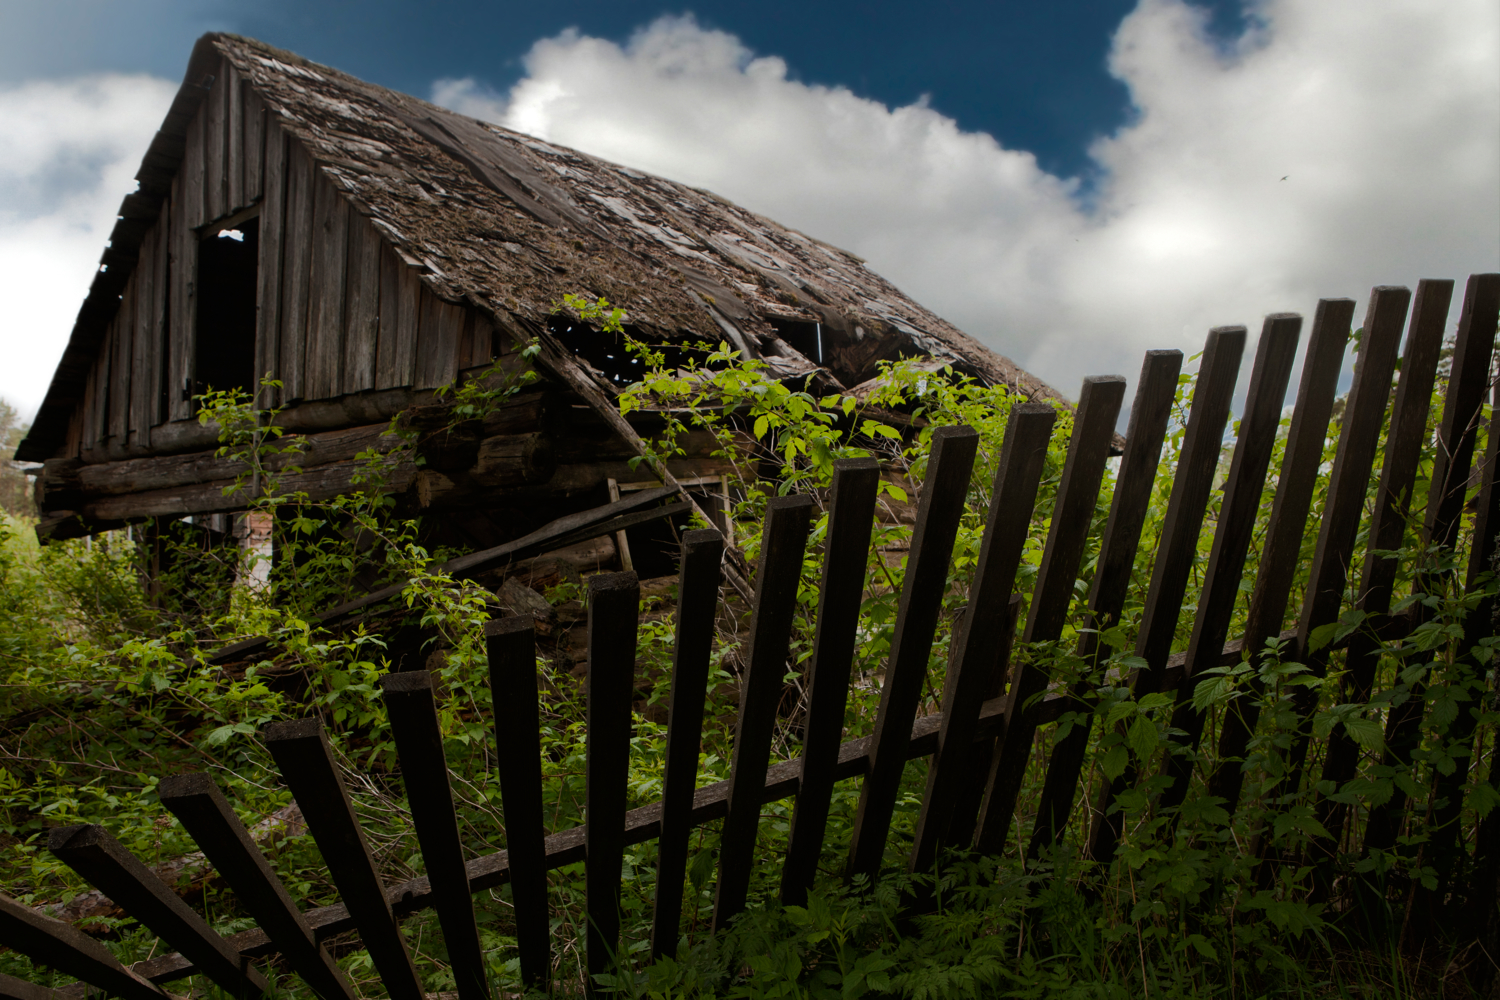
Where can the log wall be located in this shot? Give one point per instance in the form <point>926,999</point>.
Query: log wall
<point>338,311</point>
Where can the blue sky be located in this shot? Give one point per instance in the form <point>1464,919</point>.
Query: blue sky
<point>1072,183</point>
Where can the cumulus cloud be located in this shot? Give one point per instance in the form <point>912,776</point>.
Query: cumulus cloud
<point>1338,144</point>
<point>69,151</point>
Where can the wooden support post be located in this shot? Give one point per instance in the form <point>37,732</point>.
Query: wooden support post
<point>424,771</point>
<point>301,750</point>
<point>207,816</point>
<point>697,606</point>
<point>110,867</point>
<point>511,644</point>
<point>939,512</point>
<point>614,607</point>
<point>1072,517</point>
<point>1122,533</point>
<point>622,544</point>
<point>981,636</point>
<point>1196,465</point>
<point>846,557</point>
<point>67,949</point>
<point>776,581</point>
<point>1233,534</point>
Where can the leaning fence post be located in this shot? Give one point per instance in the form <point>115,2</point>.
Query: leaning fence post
<point>846,555</point>
<point>614,605</point>
<point>66,948</point>
<point>511,645</point>
<point>697,608</point>
<point>776,581</point>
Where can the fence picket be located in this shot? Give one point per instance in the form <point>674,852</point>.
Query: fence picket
<point>614,608</point>
<point>846,555</point>
<point>209,819</point>
<point>1017,477</point>
<point>424,771</point>
<point>1072,519</point>
<point>776,581</point>
<point>511,647</point>
<point>981,754</point>
<point>110,867</point>
<point>939,512</point>
<point>1149,413</point>
<point>697,606</point>
<point>1232,537</point>
<point>301,750</point>
<point>65,948</point>
<point>1194,477</point>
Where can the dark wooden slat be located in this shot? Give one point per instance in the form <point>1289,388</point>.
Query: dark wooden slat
<point>776,581</point>
<point>362,309</point>
<point>183,308</point>
<point>124,353</point>
<point>326,291</point>
<point>105,368</point>
<point>111,868</point>
<point>1344,503</point>
<point>1178,550</point>
<point>938,515</point>
<point>981,635</point>
<point>614,605</point>
<point>67,949</point>
<point>438,332</point>
<point>269,273</point>
<point>207,816</point>
<point>1233,534</point>
<point>142,340</point>
<point>296,272</point>
<point>395,365</point>
<point>12,988</point>
<point>215,114</point>
<point>1072,518</point>
<point>1472,353</point>
<point>254,125</point>
<point>697,604</point>
<point>846,556</point>
<point>424,772</point>
<point>980,757</point>
<point>1387,531</point>
<point>234,140</point>
<point>511,644</point>
<point>191,171</point>
<point>160,332</point>
<point>1149,414</point>
<point>301,750</point>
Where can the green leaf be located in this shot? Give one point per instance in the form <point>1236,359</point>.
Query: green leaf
<point>1142,737</point>
<point>1113,764</point>
<point>1366,732</point>
<point>1321,636</point>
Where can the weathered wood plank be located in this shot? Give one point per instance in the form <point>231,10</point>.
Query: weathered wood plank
<point>12,988</point>
<point>61,946</point>
<point>110,867</point>
<point>845,557</point>
<point>183,308</point>
<point>1233,534</point>
<point>776,581</point>
<point>1177,553</point>
<point>268,276</point>
<point>326,292</point>
<point>120,365</point>
<point>105,369</point>
<point>234,140</point>
<point>1149,414</point>
<point>1073,516</point>
<point>143,329</point>
<point>424,772</point>
<point>440,326</point>
<point>254,142</point>
<point>301,750</point>
<point>400,291</point>
<point>614,601</point>
<point>511,649</point>
<point>938,513</point>
<point>296,271</point>
<point>209,819</point>
<point>190,201</point>
<point>362,307</point>
<point>980,636</point>
<point>160,374</point>
<point>215,115</point>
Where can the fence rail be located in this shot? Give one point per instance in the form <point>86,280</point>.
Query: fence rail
<point>983,742</point>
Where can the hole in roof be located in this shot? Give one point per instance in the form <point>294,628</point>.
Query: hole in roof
<point>608,353</point>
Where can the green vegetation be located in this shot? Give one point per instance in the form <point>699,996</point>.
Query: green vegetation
<point>105,690</point>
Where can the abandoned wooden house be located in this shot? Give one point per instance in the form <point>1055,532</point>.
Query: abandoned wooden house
<point>364,248</point>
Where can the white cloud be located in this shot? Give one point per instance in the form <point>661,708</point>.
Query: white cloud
<point>69,151</point>
<point>1380,114</point>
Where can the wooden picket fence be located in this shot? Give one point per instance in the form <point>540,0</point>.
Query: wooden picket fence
<point>979,745</point>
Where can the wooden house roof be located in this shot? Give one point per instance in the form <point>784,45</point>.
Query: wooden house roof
<point>510,224</point>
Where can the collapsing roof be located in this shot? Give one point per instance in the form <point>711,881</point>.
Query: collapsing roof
<point>510,224</point>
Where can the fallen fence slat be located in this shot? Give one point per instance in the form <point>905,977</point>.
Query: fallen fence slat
<point>67,949</point>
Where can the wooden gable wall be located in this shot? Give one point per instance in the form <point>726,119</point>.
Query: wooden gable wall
<point>338,311</point>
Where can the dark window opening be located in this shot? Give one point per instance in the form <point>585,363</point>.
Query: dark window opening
<point>224,340</point>
<point>805,337</point>
<point>610,354</point>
